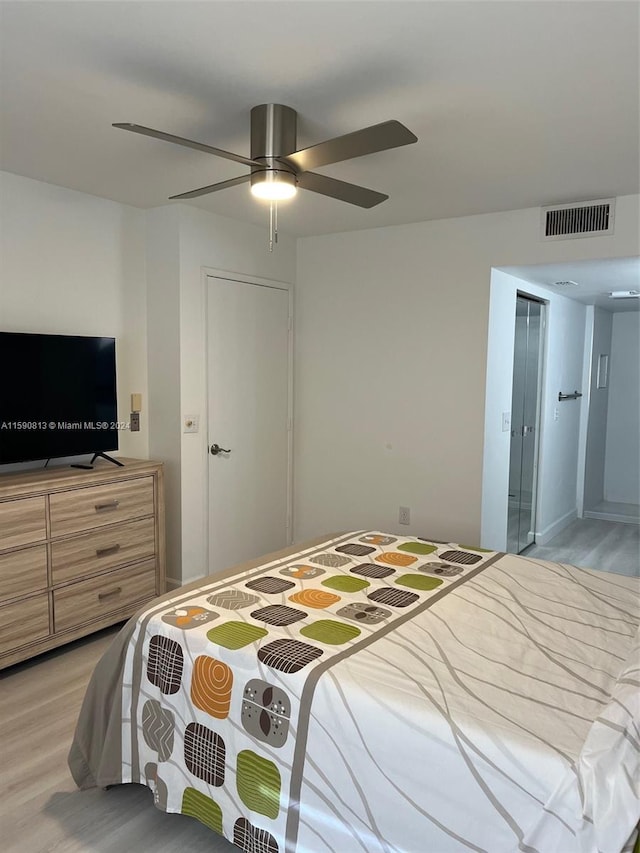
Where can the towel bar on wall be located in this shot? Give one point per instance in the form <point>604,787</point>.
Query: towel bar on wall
<point>573,396</point>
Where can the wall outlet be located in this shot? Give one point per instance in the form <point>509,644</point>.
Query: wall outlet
<point>404,515</point>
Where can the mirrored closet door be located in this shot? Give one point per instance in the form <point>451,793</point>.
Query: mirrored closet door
<point>525,408</point>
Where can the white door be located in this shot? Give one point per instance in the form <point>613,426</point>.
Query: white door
<point>249,420</point>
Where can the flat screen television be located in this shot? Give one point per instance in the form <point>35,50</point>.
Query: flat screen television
<point>57,396</point>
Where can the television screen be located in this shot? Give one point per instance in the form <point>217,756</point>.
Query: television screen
<point>57,396</point>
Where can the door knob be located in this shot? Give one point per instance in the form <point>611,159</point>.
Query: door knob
<point>215,449</point>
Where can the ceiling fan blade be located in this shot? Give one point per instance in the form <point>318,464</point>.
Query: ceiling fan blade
<point>378,137</point>
<point>212,188</point>
<point>187,143</point>
<point>341,190</point>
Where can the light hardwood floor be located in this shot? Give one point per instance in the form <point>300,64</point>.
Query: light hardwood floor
<point>612,546</point>
<point>40,807</point>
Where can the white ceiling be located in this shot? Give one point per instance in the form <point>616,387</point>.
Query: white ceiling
<point>515,104</point>
<point>594,280</point>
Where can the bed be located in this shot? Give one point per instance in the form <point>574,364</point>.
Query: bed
<point>376,693</point>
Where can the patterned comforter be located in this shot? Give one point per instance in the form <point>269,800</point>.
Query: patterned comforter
<point>381,694</point>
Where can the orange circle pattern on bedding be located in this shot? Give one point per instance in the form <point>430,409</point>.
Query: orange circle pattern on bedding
<point>211,684</point>
<point>314,598</point>
<point>395,559</point>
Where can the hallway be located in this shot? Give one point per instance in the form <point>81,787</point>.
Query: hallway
<point>592,543</point>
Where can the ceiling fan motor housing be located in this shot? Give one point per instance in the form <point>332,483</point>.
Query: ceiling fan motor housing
<point>273,135</point>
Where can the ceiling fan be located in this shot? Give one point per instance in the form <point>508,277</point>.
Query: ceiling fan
<point>278,169</point>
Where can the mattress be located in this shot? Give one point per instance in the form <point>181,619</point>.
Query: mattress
<point>381,693</point>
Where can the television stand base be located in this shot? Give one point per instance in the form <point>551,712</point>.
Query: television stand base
<point>108,458</point>
<point>102,456</point>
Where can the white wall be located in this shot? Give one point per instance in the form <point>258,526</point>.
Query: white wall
<point>599,325</point>
<point>499,389</point>
<point>71,263</point>
<point>559,439</point>
<point>622,456</point>
<point>390,364</point>
<point>182,242</point>
<point>163,318</point>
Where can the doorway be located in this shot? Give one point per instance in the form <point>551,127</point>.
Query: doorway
<point>525,421</point>
<point>249,418</point>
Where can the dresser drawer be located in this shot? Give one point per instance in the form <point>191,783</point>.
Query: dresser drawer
<point>102,549</point>
<point>88,600</point>
<point>22,572</point>
<point>84,509</point>
<point>22,522</point>
<point>23,622</point>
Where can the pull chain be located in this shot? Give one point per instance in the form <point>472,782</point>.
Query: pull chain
<point>275,232</point>
<point>271,226</point>
<point>273,223</point>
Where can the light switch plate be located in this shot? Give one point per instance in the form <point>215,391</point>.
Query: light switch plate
<point>136,402</point>
<point>506,421</point>
<point>190,423</point>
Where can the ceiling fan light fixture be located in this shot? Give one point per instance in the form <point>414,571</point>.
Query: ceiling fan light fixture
<point>273,185</point>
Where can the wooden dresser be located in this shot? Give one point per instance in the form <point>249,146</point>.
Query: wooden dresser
<point>79,550</point>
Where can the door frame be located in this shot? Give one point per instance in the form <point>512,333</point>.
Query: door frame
<point>542,348</point>
<point>243,278</point>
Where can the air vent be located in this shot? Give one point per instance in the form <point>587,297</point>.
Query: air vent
<point>587,219</point>
<point>567,283</point>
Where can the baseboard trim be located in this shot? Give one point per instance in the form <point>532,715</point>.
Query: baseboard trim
<point>173,583</point>
<point>611,516</point>
<point>544,536</point>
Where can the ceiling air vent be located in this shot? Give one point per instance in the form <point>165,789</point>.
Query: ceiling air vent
<point>584,219</point>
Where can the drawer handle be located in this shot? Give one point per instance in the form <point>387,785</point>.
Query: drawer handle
<point>106,506</point>
<point>103,552</point>
<point>116,591</point>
